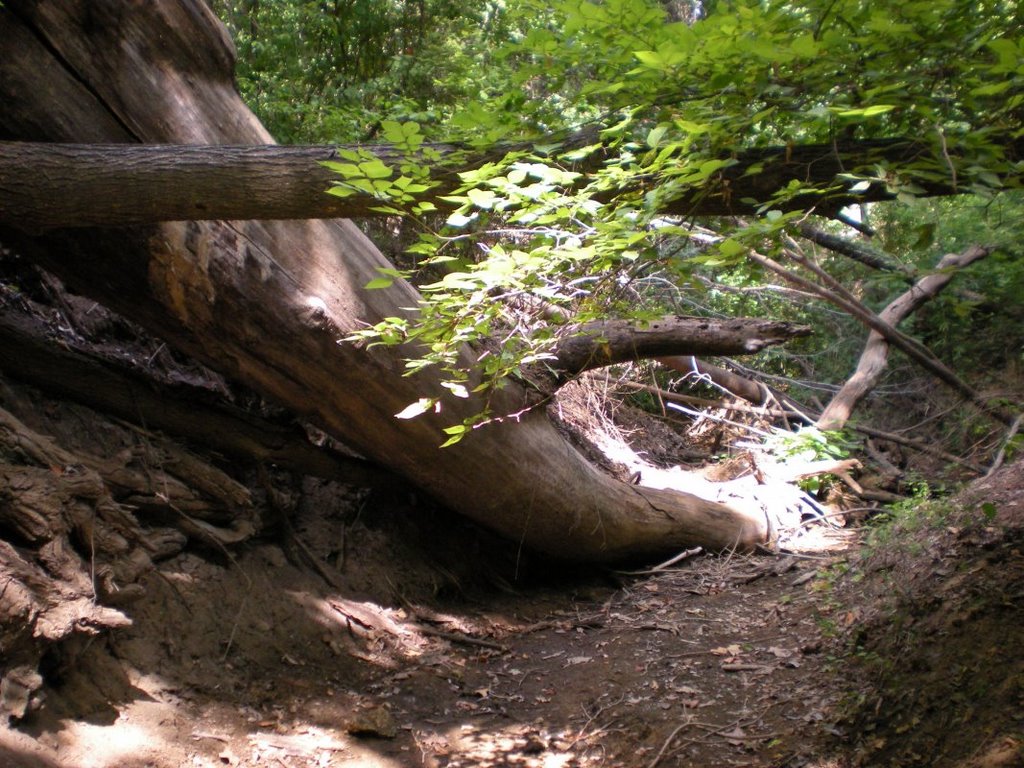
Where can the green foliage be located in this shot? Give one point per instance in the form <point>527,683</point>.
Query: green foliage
<point>895,528</point>
<point>577,230</point>
<point>400,187</point>
<point>333,71</point>
<point>981,316</point>
<point>810,444</point>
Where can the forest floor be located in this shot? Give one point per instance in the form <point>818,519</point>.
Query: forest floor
<point>906,651</point>
<point>381,633</point>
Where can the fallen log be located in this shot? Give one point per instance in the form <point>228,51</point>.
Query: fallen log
<point>122,185</point>
<point>749,390</point>
<point>27,355</point>
<point>266,303</point>
<point>598,344</point>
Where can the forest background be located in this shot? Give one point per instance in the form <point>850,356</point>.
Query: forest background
<point>667,93</point>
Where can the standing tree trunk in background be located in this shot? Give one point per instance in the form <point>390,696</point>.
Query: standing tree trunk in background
<point>267,302</point>
<point>876,351</point>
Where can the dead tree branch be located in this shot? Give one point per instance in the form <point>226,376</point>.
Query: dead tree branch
<point>876,351</point>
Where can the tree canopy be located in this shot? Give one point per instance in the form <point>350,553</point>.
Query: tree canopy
<point>627,123</point>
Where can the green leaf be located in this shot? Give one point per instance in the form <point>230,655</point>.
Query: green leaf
<point>655,135</point>
<point>482,198</point>
<point>863,112</point>
<point>460,220</point>
<point>992,89</point>
<point>379,282</point>
<point>375,169</point>
<point>457,389</point>
<point>456,436</point>
<point>340,191</point>
<point>805,45</point>
<point>730,247</point>
<point>652,59</point>
<point>345,169</point>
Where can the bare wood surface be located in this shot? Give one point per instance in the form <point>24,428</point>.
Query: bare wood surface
<point>27,355</point>
<point>876,350</point>
<point>616,341</point>
<point>43,186</point>
<point>920,354</point>
<point>735,384</point>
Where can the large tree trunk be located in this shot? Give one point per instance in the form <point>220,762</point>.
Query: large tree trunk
<point>267,302</point>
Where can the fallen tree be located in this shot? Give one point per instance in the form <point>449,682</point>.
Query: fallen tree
<point>267,302</point>
<point>28,355</point>
<point>595,345</point>
<point>121,185</point>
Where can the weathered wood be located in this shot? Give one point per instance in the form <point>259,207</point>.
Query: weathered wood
<point>47,186</point>
<point>267,302</point>
<point>158,477</point>
<point>43,186</point>
<point>608,342</point>
<point>839,295</point>
<point>26,355</point>
<point>861,252</point>
<point>31,503</point>
<point>876,350</point>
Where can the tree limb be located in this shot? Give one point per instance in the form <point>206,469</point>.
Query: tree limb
<point>913,349</point>
<point>608,342</point>
<point>749,390</point>
<point>45,186</point>
<point>864,254</point>
<point>876,351</point>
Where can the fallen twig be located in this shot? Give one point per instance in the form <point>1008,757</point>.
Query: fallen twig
<point>456,637</point>
<point>1001,454</point>
<point>686,553</point>
<point>923,447</point>
<point>698,414</point>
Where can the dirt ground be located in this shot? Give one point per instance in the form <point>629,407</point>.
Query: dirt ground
<point>380,632</point>
<point>905,653</point>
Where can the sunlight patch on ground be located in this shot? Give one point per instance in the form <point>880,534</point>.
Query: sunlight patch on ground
<point>517,745</point>
<point>108,746</point>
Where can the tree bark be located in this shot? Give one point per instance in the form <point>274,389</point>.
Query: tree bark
<point>841,297</point>
<point>876,351</point>
<point>865,254</point>
<point>43,186</point>
<point>180,410</point>
<point>749,390</point>
<point>267,302</point>
<point>608,342</point>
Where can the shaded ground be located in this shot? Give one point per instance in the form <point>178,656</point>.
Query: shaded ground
<point>936,638</point>
<point>715,661</point>
<point>257,662</point>
<point>371,632</point>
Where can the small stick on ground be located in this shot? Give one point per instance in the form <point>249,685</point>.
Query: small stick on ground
<point>456,637</point>
<point>686,553</point>
<point>1001,454</point>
